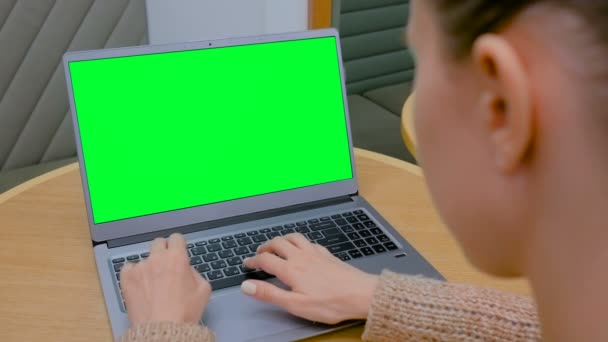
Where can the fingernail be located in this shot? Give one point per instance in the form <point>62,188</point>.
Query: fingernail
<point>248,288</point>
<point>258,248</point>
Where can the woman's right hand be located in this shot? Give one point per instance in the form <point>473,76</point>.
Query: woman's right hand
<point>323,288</point>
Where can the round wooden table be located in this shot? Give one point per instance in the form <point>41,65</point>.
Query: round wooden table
<point>49,290</point>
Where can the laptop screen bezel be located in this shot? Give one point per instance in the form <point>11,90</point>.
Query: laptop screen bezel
<point>211,212</point>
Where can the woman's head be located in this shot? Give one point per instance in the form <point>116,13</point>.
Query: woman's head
<point>506,92</point>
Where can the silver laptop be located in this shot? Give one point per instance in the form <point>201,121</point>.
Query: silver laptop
<point>230,142</point>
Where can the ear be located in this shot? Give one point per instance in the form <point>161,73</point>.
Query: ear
<point>505,100</point>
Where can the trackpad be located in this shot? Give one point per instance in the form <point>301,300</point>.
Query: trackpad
<point>235,317</point>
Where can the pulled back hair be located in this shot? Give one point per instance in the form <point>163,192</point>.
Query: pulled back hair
<point>463,21</point>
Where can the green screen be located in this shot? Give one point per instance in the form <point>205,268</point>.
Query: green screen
<point>168,131</point>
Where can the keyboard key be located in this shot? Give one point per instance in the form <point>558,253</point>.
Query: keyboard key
<point>265,230</point>
<point>358,212</point>
<point>252,233</point>
<point>288,231</point>
<point>277,228</point>
<point>353,236</point>
<point>259,239</point>
<point>210,257</point>
<point>371,240</point>
<point>190,245</point>
<point>363,217</point>
<point>226,254</point>
<point>360,243</point>
<point>383,238</point>
<point>272,235</point>
<point>369,224</point>
<point>358,226</point>
<point>301,223</point>
<point>231,271</point>
<point>336,216</point>
<point>342,256</point>
<point>322,225</point>
<point>390,246</point>
<point>234,261</point>
<point>289,225</point>
<point>216,265</point>
<point>347,229</point>
<point>250,255</point>
<point>325,219</point>
<point>352,219</point>
<point>334,239</point>
<point>222,283</point>
<point>302,229</point>
<point>343,247</point>
<point>229,244</point>
<point>118,267</point>
<point>331,231</point>
<point>379,248</point>
<point>240,235</point>
<point>216,240</point>
<point>241,250</point>
<point>198,250</point>
<point>365,233</point>
<point>341,222</point>
<point>118,276</point>
<point>202,268</point>
<point>226,238</point>
<point>347,214</point>
<point>355,254</point>
<point>254,248</point>
<point>201,243</point>
<point>314,235</point>
<point>133,257</point>
<point>196,260</point>
<point>367,251</point>
<point>244,241</point>
<point>213,275</point>
<point>313,221</point>
<point>117,260</point>
<point>376,231</point>
<point>214,248</point>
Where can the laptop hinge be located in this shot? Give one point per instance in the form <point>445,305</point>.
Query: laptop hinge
<point>228,221</point>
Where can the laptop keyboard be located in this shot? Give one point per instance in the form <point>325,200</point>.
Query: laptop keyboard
<point>347,235</point>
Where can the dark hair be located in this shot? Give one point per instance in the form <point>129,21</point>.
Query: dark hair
<point>463,21</point>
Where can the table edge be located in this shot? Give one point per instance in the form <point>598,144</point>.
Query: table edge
<point>15,191</point>
<point>19,189</point>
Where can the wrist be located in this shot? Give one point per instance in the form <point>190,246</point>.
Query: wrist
<point>362,300</point>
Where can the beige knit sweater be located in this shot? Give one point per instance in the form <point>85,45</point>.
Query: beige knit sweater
<point>408,308</point>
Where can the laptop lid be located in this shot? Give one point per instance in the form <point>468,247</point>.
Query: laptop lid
<point>174,135</point>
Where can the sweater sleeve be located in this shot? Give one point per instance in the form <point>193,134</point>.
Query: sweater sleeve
<point>167,332</point>
<point>406,308</point>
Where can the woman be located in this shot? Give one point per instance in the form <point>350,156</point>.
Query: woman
<point>521,86</point>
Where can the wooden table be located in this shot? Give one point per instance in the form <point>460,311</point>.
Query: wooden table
<point>49,289</point>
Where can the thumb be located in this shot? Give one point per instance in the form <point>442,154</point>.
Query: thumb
<point>267,292</point>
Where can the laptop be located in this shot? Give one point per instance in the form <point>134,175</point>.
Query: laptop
<point>231,143</point>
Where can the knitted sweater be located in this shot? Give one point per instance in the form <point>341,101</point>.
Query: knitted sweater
<point>406,308</point>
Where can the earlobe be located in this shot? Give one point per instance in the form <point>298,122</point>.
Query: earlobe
<point>505,100</point>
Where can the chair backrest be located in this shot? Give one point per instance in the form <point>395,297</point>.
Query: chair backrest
<point>372,45</point>
<point>35,125</point>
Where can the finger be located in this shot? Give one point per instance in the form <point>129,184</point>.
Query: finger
<point>298,240</point>
<point>322,250</point>
<point>158,245</point>
<point>177,243</point>
<point>278,246</point>
<point>267,262</point>
<point>267,292</point>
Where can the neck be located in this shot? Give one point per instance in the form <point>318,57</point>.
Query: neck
<point>568,259</point>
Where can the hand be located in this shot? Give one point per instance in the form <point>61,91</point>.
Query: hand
<point>323,288</point>
<point>164,287</point>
